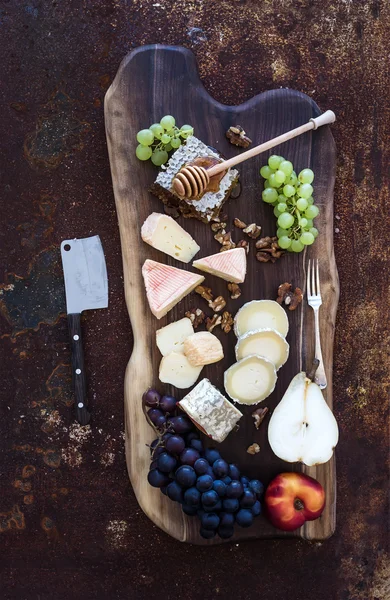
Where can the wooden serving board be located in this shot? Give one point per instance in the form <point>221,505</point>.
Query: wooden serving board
<point>156,80</point>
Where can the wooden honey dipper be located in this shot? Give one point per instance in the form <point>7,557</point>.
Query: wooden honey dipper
<point>191,181</point>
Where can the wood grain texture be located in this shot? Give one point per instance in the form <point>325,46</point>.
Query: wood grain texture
<point>157,80</point>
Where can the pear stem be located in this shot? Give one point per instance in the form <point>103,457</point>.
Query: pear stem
<point>314,368</point>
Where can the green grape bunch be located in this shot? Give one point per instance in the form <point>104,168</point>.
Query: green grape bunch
<point>160,138</point>
<point>291,195</point>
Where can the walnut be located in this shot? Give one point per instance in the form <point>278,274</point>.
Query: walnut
<point>253,230</point>
<point>213,323</point>
<point>289,297</point>
<point>243,244</point>
<point>265,242</point>
<point>204,292</point>
<point>218,227</point>
<point>239,224</point>
<point>235,290</point>
<point>227,322</point>
<point>269,249</point>
<point>218,304</point>
<point>196,317</point>
<point>236,135</point>
<point>253,449</point>
<point>259,415</point>
<point>225,239</point>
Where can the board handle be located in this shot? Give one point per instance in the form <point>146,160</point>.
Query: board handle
<point>326,119</point>
<point>83,416</point>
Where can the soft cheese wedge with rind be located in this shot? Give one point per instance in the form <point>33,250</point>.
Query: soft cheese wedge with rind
<point>171,337</point>
<point>165,234</point>
<point>203,348</point>
<point>268,343</point>
<point>261,314</point>
<point>178,371</point>
<point>166,286</point>
<point>250,380</point>
<point>229,265</point>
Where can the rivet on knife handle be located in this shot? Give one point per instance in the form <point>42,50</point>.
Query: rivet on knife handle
<point>78,369</point>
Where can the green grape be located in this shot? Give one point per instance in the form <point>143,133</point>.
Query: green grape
<point>309,223</point>
<point>186,131</point>
<point>282,207</point>
<point>157,130</point>
<point>281,198</point>
<point>159,157</point>
<point>168,147</point>
<point>266,184</point>
<point>285,220</point>
<point>265,171</point>
<point>287,167</point>
<point>314,231</point>
<point>288,190</point>
<point>305,190</point>
<point>297,246</point>
<point>302,204</point>
<point>306,176</point>
<point>166,138</point>
<point>269,195</point>
<point>143,152</point>
<point>284,242</point>
<point>282,232</point>
<point>311,212</point>
<point>175,142</point>
<point>145,137</point>
<point>303,223</point>
<point>168,122</point>
<point>277,213</point>
<point>310,200</point>
<point>307,238</point>
<point>274,161</point>
<point>293,179</point>
<point>272,181</point>
<point>280,177</point>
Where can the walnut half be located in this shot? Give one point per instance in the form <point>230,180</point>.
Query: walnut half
<point>213,322</point>
<point>259,415</point>
<point>196,316</point>
<point>289,297</point>
<point>235,290</point>
<point>218,304</point>
<point>236,135</point>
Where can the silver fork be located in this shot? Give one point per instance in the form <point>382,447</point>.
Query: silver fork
<point>314,300</point>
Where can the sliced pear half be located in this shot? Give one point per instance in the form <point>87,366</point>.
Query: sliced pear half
<point>268,343</point>
<point>261,314</point>
<point>250,380</point>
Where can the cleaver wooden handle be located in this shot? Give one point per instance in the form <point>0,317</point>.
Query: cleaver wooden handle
<point>78,370</point>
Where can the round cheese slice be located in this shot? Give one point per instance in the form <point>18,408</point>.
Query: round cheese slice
<point>268,343</point>
<point>250,380</point>
<point>261,314</point>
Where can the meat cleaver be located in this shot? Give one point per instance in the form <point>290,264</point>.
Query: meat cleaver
<point>86,288</point>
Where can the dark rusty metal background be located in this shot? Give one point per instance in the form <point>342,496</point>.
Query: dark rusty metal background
<point>70,526</point>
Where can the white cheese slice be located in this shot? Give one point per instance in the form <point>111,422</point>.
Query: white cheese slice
<point>210,410</point>
<point>203,348</point>
<point>229,265</point>
<point>268,343</point>
<point>165,234</point>
<point>250,380</point>
<point>166,286</point>
<point>176,370</point>
<point>171,337</point>
<point>261,314</point>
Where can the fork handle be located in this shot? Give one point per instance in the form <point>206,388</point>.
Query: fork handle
<point>320,377</point>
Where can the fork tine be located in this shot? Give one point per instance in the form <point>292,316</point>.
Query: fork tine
<point>313,280</point>
<point>308,290</point>
<point>318,280</point>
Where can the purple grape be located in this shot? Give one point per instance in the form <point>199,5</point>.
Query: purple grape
<point>211,455</point>
<point>175,492</point>
<point>191,511</point>
<point>227,519</point>
<point>151,398</point>
<point>204,483</point>
<point>244,518</point>
<point>185,476</point>
<point>210,521</point>
<point>166,462</point>
<point>256,508</point>
<point>210,498</point>
<point>191,436</point>
<point>192,497</point>
<point>256,486</point>
<point>175,444</point>
<point>180,424</point>
<point>211,472</point>
<point>220,467</point>
<point>156,416</point>
<point>157,452</point>
<point>168,404</point>
<point>158,479</point>
<point>207,534</point>
<point>201,466</point>
<point>220,487</point>
<point>189,456</point>
<point>153,465</point>
<point>166,436</point>
<point>227,480</point>
<point>197,445</point>
<point>244,481</point>
<point>154,444</point>
<point>248,499</point>
<point>225,532</point>
<point>234,490</point>
<point>230,505</point>
<point>234,472</point>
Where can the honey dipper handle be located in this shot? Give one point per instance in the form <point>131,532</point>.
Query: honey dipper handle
<point>324,119</point>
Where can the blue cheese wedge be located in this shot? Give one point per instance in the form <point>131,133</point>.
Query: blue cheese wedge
<point>209,205</point>
<point>210,410</point>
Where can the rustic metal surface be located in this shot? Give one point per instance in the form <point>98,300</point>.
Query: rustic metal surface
<point>69,524</point>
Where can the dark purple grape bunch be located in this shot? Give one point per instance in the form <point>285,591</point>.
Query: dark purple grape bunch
<point>199,478</point>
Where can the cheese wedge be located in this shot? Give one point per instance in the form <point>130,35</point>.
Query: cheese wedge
<point>202,348</point>
<point>165,234</point>
<point>166,286</point>
<point>171,337</point>
<point>178,371</point>
<point>229,265</point>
